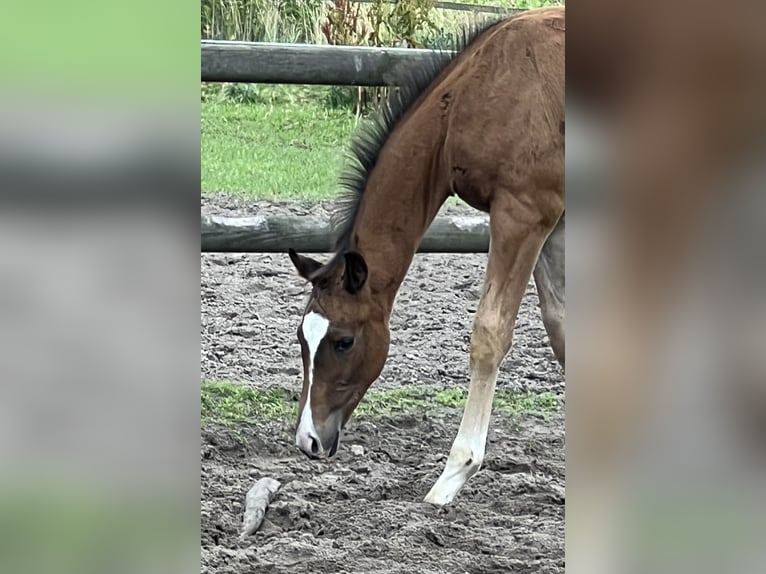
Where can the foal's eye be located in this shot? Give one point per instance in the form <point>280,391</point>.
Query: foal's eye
<point>344,344</point>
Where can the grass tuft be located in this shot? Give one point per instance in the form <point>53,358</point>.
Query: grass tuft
<point>228,403</point>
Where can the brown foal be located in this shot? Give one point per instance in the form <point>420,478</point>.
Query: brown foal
<point>488,126</point>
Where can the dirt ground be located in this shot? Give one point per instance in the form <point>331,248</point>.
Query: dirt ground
<point>363,511</point>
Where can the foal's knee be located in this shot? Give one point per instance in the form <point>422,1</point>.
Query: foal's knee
<point>487,346</point>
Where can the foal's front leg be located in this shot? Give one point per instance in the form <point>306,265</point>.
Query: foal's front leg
<point>514,248</point>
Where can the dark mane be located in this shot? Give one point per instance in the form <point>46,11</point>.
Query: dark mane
<point>367,143</point>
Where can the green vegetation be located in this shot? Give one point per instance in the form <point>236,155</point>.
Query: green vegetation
<point>283,143</point>
<point>375,22</point>
<point>229,403</point>
<point>262,20</point>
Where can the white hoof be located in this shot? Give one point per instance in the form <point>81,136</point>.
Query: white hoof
<point>458,470</point>
<point>439,496</point>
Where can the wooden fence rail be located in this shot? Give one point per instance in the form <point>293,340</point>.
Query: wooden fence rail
<point>270,63</point>
<point>278,63</point>
<point>272,234</point>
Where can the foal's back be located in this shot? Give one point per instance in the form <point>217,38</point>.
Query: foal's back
<point>502,105</point>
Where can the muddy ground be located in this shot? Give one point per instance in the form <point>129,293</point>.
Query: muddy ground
<point>362,512</point>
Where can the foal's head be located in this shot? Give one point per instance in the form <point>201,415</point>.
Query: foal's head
<point>344,343</point>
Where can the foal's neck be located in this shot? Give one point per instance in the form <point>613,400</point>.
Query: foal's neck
<point>404,192</point>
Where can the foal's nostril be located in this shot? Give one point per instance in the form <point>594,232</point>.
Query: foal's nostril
<point>314,446</point>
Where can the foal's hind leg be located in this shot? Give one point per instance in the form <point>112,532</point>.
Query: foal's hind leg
<point>549,279</point>
<point>517,234</point>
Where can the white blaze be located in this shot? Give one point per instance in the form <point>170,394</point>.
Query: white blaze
<point>314,330</point>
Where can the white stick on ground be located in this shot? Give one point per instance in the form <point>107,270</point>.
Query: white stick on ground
<point>257,500</point>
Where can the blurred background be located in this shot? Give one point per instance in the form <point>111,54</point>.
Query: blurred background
<point>666,295</point>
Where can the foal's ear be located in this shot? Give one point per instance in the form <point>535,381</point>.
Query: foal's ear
<point>306,266</point>
<point>356,272</point>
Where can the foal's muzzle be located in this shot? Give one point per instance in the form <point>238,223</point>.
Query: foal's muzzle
<point>319,439</point>
<point>315,447</point>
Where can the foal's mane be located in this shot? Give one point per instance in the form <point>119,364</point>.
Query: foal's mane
<point>367,144</point>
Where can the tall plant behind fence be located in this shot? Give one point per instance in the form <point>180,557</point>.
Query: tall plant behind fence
<point>412,21</point>
<point>263,20</point>
<point>377,23</point>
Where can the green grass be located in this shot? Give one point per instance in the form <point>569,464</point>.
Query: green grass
<point>229,403</point>
<point>274,142</point>
<point>284,144</point>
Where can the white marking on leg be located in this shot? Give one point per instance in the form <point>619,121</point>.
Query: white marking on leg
<point>467,453</point>
<point>314,330</point>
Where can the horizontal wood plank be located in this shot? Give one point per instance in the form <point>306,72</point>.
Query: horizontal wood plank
<point>274,234</point>
<point>270,63</point>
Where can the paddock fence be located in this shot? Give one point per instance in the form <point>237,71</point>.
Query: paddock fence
<point>276,234</point>
<point>273,63</point>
